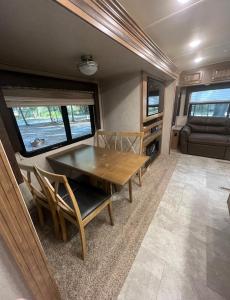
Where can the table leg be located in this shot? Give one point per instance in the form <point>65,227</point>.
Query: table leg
<point>130,191</point>
<point>111,188</point>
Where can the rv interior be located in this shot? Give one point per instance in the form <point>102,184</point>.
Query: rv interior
<point>115,149</point>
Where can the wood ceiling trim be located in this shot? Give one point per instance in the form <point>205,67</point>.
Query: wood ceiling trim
<point>111,18</point>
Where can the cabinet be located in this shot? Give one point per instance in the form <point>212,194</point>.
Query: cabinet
<point>191,78</point>
<point>175,135</point>
<point>152,115</point>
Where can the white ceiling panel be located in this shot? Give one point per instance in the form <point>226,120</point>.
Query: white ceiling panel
<point>148,12</point>
<point>173,25</point>
<point>42,36</point>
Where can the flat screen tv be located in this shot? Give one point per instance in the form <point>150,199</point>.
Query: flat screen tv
<point>154,97</point>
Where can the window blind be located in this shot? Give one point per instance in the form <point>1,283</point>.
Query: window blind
<point>16,97</point>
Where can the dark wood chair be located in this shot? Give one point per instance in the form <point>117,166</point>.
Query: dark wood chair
<point>77,203</point>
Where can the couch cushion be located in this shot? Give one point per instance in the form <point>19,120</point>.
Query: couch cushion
<point>209,139</point>
<point>209,125</point>
<point>207,150</point>
<point>228,126</point>
<point>227,153</point>
<point>208,121</point>
<point>208,129</point>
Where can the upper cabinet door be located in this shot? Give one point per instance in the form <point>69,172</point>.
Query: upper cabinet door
<point>191,78</point>
<point>221,74</point>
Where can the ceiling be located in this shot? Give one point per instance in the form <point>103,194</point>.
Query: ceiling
<point>42,37</point>
<point>173,25</point>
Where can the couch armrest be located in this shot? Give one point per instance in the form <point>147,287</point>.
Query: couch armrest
<point>184,135</point>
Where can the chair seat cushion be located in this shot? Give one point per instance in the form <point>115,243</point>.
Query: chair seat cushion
<point>62,190</point>
<point>88,198</point>
<point>209,139</point>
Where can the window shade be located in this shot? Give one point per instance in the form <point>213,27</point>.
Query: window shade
<point>44,97</point>
<point>211,96</point>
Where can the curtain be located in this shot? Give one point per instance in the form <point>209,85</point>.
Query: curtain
<point>18,97</point>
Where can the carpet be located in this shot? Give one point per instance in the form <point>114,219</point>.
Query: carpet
<point>111,249</point>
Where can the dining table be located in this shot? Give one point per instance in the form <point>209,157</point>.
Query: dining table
<point>112,166</point>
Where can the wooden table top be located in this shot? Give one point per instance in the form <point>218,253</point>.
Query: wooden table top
<point>113,166</point>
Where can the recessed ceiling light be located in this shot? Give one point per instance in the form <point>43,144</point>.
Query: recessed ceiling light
<point>198,59</point>
<point>183,1</point>
<point>195,43</point>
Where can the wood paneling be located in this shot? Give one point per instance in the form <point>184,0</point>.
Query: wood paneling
<point>20,236</point>
<point>111,18</point>
<point>4,137</point>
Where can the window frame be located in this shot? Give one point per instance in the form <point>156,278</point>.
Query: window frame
<point>207,103</point>
<point>198,88</point>
<point>69,139</point>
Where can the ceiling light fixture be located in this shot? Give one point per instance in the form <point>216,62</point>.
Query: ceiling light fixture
<point>195,43</point>
<point>198,59</point>
<point>88,66</point>
<point>183,1</point>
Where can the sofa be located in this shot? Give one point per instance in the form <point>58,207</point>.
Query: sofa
<point>205,136</point>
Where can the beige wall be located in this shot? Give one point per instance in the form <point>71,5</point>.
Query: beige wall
<point>121,106</point>
<point>12,285</point>
<point>121,102</point>
<point>169,99</point>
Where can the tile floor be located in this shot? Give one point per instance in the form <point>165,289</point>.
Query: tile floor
<point>186,251</point>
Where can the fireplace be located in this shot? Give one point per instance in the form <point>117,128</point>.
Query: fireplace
<point>152,150</point>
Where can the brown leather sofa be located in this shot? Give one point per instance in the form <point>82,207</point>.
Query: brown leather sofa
<point>206,136</point>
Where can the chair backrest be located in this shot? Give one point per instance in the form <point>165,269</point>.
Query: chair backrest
<point>128,141</point>
<point>125,141</point>
<point>51,190</point>
<point>106,139</point>
<point>27,172</point>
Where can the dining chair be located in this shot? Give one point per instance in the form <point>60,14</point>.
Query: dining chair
<point>39,197</point>
<point>106,139</point>
<point>77,203</point>
<point>128,141</point>
<point>125,141</point>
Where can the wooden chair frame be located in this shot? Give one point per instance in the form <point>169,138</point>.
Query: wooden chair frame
<point>64,210</point>
<point>106,138</point>
<point>40,199</point>
<point>115,140</point>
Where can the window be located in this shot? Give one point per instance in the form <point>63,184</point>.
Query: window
<point>79,119</point>
<point>210,103</point>
<point>43,128</point>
